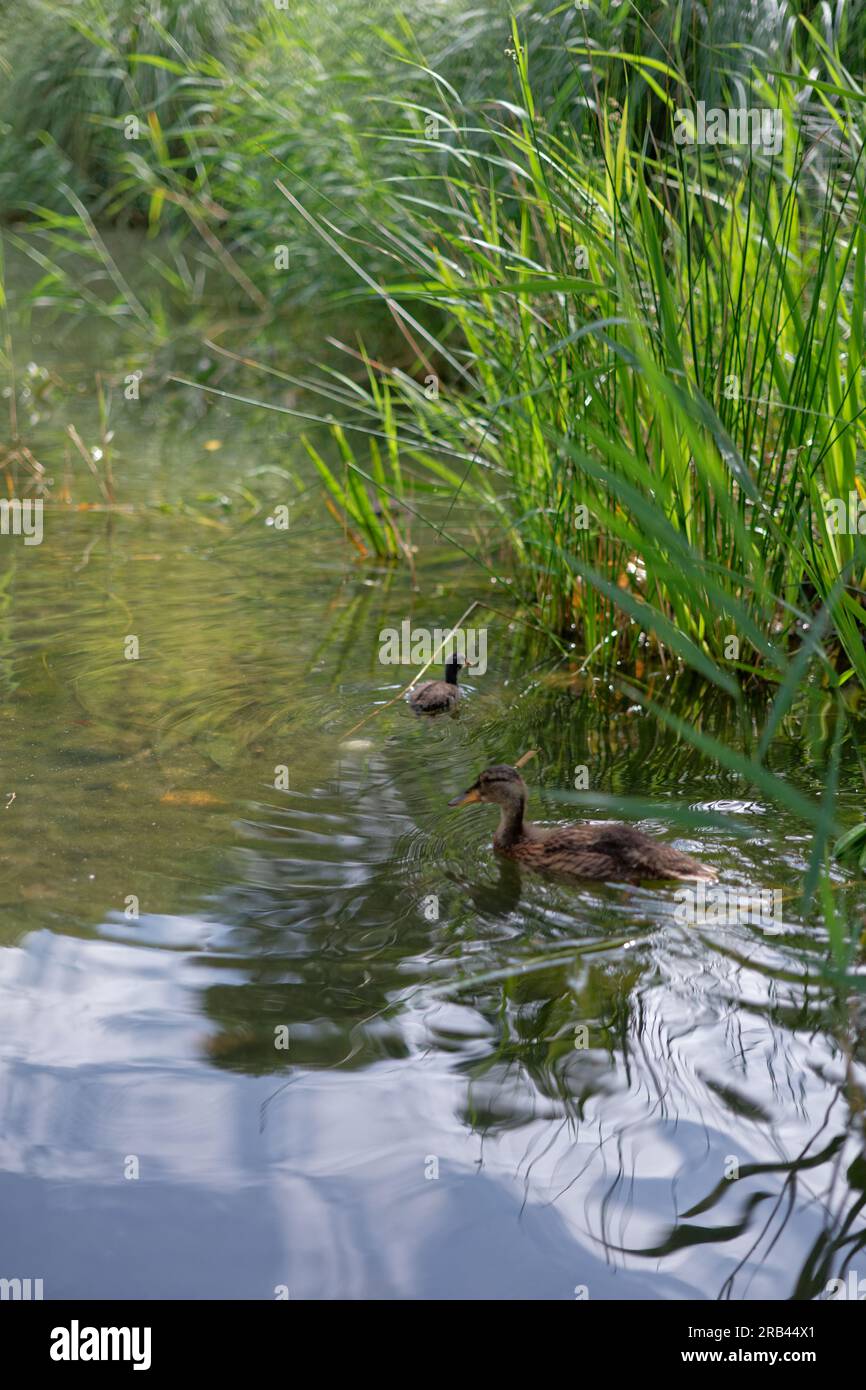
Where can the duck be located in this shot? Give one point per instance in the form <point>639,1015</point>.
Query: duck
<point>599,849</point>
<point>435,696</point>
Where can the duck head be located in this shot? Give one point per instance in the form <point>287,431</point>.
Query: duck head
<point>453,665</point>
<point>501,785</point>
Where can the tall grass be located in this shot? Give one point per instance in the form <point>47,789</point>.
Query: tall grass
<point>74,71</point>
<point>227,93</point>
<point>651,361</point>
<point>646,360</point>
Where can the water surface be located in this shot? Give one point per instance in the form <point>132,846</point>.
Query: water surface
<point>434,1127</point>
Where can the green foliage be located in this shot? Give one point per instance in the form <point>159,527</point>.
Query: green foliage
<point>652,366</point>
<point>851,847</point>
<point>647,359</point>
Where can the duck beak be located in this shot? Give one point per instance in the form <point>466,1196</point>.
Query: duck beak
<point>464,799</point>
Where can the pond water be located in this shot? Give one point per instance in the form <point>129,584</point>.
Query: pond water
<point>492,1085</point>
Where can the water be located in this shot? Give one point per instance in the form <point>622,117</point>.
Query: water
<point>433,1127</point>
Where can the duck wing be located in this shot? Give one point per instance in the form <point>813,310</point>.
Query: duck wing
<point>433,695</point>
<point>604,851</point>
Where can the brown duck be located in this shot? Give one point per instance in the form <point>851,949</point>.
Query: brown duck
<point>433,696</point>
<point>600,849</point>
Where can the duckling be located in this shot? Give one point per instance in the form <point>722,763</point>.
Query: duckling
<point>602,849</point>
<point>434,696</point>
